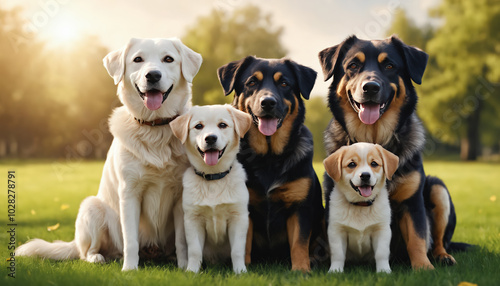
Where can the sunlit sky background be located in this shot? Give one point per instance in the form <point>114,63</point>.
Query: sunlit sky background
<point>310,26</point>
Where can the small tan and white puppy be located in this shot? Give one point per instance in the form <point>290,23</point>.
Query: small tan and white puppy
<point>360,214</point>
<point>215,197</point>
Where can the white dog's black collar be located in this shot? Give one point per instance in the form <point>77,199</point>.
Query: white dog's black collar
<point>212,177</point>
<point>364,204</point>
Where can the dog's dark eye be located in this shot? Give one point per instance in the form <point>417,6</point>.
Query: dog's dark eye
<point>389,66</point>
<point>374,164</point>
<point>168,59</point>
<point>138,60</point>
<point>283,83</point>
<point>353,66</point>
<point>251,82</point>
<point>198,126</point>
<point>222,125</point>
<point>352,165</point>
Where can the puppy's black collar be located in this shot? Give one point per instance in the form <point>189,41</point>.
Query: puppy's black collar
<point>213,177</point>
<point>364,204</point>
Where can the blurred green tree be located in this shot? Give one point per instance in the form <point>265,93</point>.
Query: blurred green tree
<point>221,37</point>
<point>460,91</point>
<point>317,118</point>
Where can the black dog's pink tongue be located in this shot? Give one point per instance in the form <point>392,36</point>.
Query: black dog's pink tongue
<point>365,191</point>
<point>153,99</point>
<point>211,158</point>
<point>268,126</point>
<point>369,113</point>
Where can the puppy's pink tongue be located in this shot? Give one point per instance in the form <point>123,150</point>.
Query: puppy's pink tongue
<point>153,99</point>
<point>211,158</point>
<point>369,113</point>
<point>268,126</point>
<point>365,191</point>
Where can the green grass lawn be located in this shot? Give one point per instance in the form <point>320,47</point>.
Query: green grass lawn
<point>49,193</point>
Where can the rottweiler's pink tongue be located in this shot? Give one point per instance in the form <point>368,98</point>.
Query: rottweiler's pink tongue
<point>153,99</point>
<point>369,113</point>
<point>268,126</point>
<point>211,158</point>
<point>365,191</point>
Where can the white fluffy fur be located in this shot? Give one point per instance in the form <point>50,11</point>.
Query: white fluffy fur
<point>359,232</point>
<point>139,199</point>
<point>215,212</point>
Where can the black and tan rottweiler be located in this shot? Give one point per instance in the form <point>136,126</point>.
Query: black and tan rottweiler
<point>286,210</point>
<point>372,99</point>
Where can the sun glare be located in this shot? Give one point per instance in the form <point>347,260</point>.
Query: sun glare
<point>62,30</point>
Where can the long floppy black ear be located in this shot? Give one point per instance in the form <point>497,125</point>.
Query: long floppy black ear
<point>229,73</point>
<point>415,58</point>
<point>330,58</point>
<point>306,77</point>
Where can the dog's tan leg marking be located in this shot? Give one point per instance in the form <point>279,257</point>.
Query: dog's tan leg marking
<point>440,212</point>
<point>406,186</point>
<point>248,247</point>
<point>299,247</point>
<point>292,192</point>
<point>416,246</point>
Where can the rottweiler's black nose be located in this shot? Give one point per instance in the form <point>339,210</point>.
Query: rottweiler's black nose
<point>371,88</point>
<point>365,176</point>
<point>211,139</point>
<point>153,76</point>
<point>268,103</point>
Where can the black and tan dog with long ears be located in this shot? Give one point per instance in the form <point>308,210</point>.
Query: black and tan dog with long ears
<point>373,100</point>
<point>286,210</point>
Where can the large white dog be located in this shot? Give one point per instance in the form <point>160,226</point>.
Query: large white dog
<point>139,200</point>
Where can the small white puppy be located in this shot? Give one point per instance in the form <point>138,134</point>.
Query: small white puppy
<point>360,214</point>
<point>215,197</point>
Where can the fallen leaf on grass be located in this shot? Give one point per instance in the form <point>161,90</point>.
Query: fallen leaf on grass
<point>53,227</point>
<point>464,283</point>
<point>64,207</point>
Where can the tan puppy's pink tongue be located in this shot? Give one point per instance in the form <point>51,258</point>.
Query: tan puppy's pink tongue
<point>211,158</point>
<point>153,99</point>
<point>369,113</point>
<point>365,191</point>
<point>268,126</point>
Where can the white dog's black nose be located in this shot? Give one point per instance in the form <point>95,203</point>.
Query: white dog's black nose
<point>211,139</point>
<point>365,176</point>
<point>153,76</point>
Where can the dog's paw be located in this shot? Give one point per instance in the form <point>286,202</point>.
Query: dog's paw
<point>182,263</point>
<point>336,268</point>
<point>129,267</point>
<point>239,269</point>
<point>383,270</point>
<point>445,259</point>
<point>95,258</point>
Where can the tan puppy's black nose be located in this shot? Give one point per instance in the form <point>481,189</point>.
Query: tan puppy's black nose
<point>365,176</point>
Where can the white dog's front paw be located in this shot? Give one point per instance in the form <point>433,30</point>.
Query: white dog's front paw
<point>182,263</point>
<point>193,266</point>
<point>240,269</point>
<point>95,258</point>
<point>129,266</point>
<point>336,267</point>
<point>384,269</point>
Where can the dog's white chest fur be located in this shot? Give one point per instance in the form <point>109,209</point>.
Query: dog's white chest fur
<point>359,223</point>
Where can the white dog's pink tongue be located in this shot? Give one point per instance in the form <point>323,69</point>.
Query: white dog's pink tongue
<point>211,158</point>
<point>365,191</point>
<point>153,99</point>
<point>369,113</point>
<point>268,126</point>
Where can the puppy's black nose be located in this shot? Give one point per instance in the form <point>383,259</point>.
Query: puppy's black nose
<point>365,176</point>
<point>371,88</point>
<point>211,139</point>
<point>153,76</point>
<point>268,103</point>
